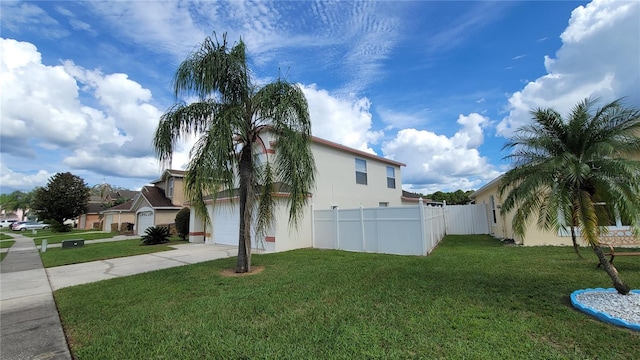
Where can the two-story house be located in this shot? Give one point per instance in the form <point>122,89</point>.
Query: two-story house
<point>345,178</point>
<point>155,204</point>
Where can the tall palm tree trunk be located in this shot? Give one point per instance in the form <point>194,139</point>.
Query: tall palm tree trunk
<point>243,263</point>
<point>576,249</point>
<point>611,271</point>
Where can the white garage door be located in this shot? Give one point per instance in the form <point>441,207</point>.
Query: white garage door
<point>144,221</point>
<point>226,224</point>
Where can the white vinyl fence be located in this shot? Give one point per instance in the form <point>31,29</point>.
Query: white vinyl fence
<point>404,230</point>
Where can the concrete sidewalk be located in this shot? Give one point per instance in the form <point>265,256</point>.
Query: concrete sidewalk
<point>29,324</point>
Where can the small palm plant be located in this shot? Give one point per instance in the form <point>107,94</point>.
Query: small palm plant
<point>156,235</point>
<point>567,168</point>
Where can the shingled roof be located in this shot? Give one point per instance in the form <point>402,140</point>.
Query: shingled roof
<point>122,207</point>
<point>156,197</point>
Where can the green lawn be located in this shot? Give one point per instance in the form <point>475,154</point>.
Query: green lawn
<point>100,251</point>
<point>5,237</point>
<point>6,243</point>
<point>57,238</point>
<point>472,298</point>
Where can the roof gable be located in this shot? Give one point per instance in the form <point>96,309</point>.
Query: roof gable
<point>156,198</point>
<point>170,173</point>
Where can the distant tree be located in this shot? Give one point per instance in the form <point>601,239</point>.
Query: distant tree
<point>576,172</point>
<point>15,201</point>
<point>103,191</point>
<point>64,197</point>
<point>182,222</point>
<point>458,197</point>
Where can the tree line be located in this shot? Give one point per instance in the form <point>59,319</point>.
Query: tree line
<point>66,196</point>
<point>457,197</point>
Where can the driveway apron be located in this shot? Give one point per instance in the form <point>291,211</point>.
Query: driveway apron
<point>29,321</point>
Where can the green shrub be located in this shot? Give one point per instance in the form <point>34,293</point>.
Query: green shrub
<point>156,235</point>
<point>182,223</point>
<point>58,227</point>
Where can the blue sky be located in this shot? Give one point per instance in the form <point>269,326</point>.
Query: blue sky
<point>439,86</point>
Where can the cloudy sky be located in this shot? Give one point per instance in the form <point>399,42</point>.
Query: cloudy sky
<point>439,86</point>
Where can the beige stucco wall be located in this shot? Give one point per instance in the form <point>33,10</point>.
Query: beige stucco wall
<point>165,216</point>
<point>336,181</point>
<point>292,237</point>
<point>118,218</point>
<point>619,236</point>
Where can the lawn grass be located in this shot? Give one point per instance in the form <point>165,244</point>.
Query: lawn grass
<point>472,298</point>
<point>57,238</point>
<point>5,237</point>
<point>6,243</point>
<point>2,256</point>
<point>101,251</point>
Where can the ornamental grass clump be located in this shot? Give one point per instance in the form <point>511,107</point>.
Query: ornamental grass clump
<point>156,235</point>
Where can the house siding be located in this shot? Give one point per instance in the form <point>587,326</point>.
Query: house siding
<point>335,186</point>
<point>619,236</point>
<point>336,181</point>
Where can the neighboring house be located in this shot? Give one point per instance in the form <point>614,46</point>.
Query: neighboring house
<point>345,178</point>
<point>157,204</point>
<point>619,233</point>
<point>409,198</point>
<point>120,196</point>
<point>118,214</point>
<point>97,204</point>
<point>87,220</point>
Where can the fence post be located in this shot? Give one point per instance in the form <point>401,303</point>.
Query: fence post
<point>313,227</point>
<point>444,214</point>
<point>336,227</point>
<point>423,235</point>
<point>362,227</point>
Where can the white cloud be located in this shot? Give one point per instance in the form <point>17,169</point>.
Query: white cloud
<point>436,162</point>
<point>18,16</point>
<point>22,181</point>
<point>599,57</point>
<point>37,100</point>
<point>345,121</point>
<point>45,107</point>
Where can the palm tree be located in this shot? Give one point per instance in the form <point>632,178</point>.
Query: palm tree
<point>579,170</point>
<point>229,116</point>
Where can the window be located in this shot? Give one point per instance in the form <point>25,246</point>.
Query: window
<point>493,209</point>
<point>608,216</point>
<point>391,177</point>
<point>361,171</point>
<point>383,204</point>
<point>170,188</point>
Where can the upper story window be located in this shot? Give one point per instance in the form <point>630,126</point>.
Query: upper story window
<point>391,177</point>
<point>170,188</point>
<point>361,171</point>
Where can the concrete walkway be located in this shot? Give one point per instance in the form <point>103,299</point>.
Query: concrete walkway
<point>186,254</point>
<point>30,324</point>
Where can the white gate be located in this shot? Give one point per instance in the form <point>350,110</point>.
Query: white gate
<point>467,219</point>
